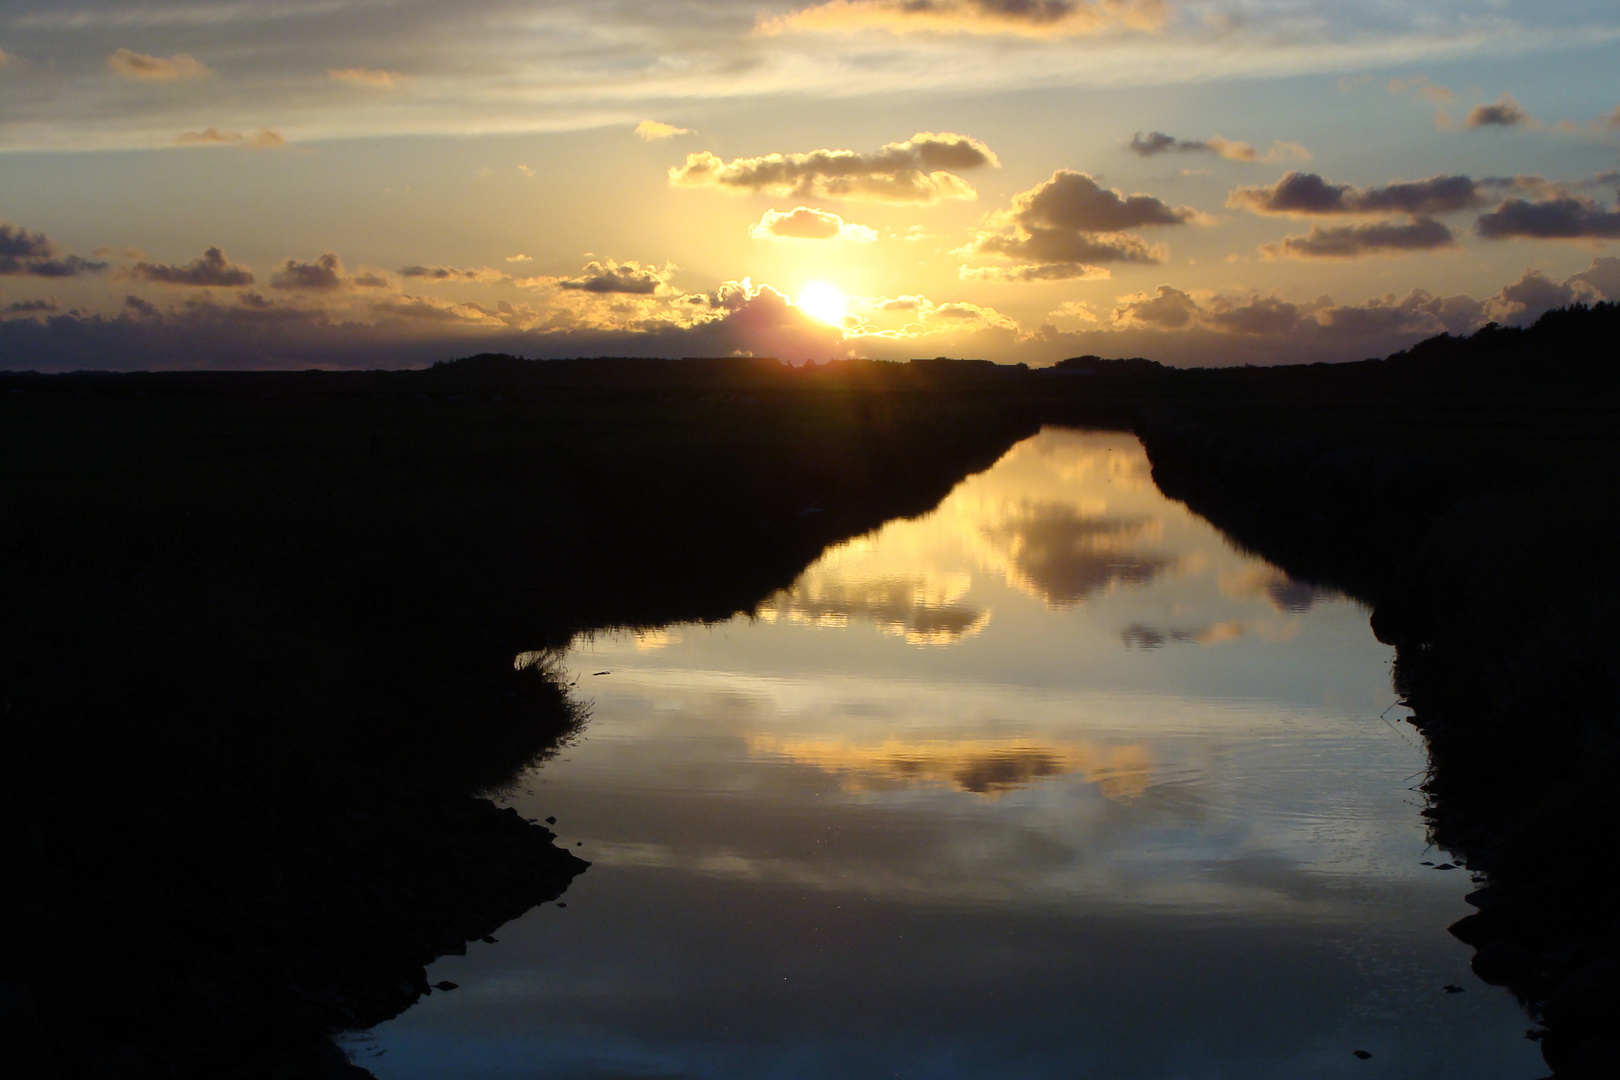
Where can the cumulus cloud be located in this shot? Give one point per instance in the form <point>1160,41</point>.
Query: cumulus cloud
<point>211,269</point>
<point>1025,18</point>
<point>1505,113</point>
<point>1300,194</point>
<point>362,76</point>
<point>133,65</point>
<point>657,129</point>
<point>263,139</point>
<point>610,276</point>
<point>1073,221</point>
<point>917,170</point>
<point>1353,241</point>
<point>26,254</point>
<point>325,274</point>
<point>1157,142</point>
<point>480,275</point>
<point>807,223</point>
<point>1571,217</point>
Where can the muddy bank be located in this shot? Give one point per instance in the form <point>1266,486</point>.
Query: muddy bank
<point>1487,548</point>
<point>258,666</point>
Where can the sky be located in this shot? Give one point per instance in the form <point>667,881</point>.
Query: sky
<point>391,183</point>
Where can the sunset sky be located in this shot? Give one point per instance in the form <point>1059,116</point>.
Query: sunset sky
<point>387,183</point>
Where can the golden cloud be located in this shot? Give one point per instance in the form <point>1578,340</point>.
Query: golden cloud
<point>807,223</point>
<point>657,129</point>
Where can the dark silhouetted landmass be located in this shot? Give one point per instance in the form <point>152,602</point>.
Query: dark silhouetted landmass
<point>260,628</point>
<point>1466,490</point>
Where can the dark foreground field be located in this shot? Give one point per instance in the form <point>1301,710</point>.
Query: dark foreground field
<point>258,661</point>
<point>259,636</point>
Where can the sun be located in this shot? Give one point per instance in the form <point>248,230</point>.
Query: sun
<point>824,302</point>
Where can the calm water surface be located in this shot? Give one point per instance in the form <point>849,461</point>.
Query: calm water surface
<point>1051,782</point>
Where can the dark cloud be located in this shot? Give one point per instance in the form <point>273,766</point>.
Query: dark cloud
<point>1505,113</point>
<point>1260,316</point>
<point>614,277</point>
<point>212,269</point>
<point>451,273</point>
<point>912,171</point>
<point>1169,309</point>
<point>141,307</point>
<point>1074,201</point>
<point>26,254</point>
<point>1569,218</point>
<point>325,274</point>
<point>1072,221</point>
<point>1309,195</point>
<point>31,307</point>
<point>1067,248</point>
<point>1354,241</point>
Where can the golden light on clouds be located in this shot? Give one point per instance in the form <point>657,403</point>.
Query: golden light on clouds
<point>657,129</point>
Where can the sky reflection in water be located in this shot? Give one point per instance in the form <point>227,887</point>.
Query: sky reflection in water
<point>1050,782</point>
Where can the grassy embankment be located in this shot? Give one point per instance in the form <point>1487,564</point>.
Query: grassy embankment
<point>257,655</point>
<point>1467,491</point>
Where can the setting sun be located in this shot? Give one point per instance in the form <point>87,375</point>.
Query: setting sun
<point>824,302</point>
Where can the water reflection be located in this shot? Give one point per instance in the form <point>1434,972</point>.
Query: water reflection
<point>1050,782</point>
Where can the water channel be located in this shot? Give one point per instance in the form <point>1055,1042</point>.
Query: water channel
<point>1050,782</point>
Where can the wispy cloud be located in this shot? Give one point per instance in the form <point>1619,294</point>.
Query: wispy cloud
<point>482,275</point>
<point>129,64</point>
<point>1157,142</point>
<point>263,139</point>
<point>362,76</point>
<point>657,129</point>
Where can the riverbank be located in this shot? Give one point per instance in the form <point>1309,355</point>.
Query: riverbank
<point>259,664</point>
<point>1476,520</point>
